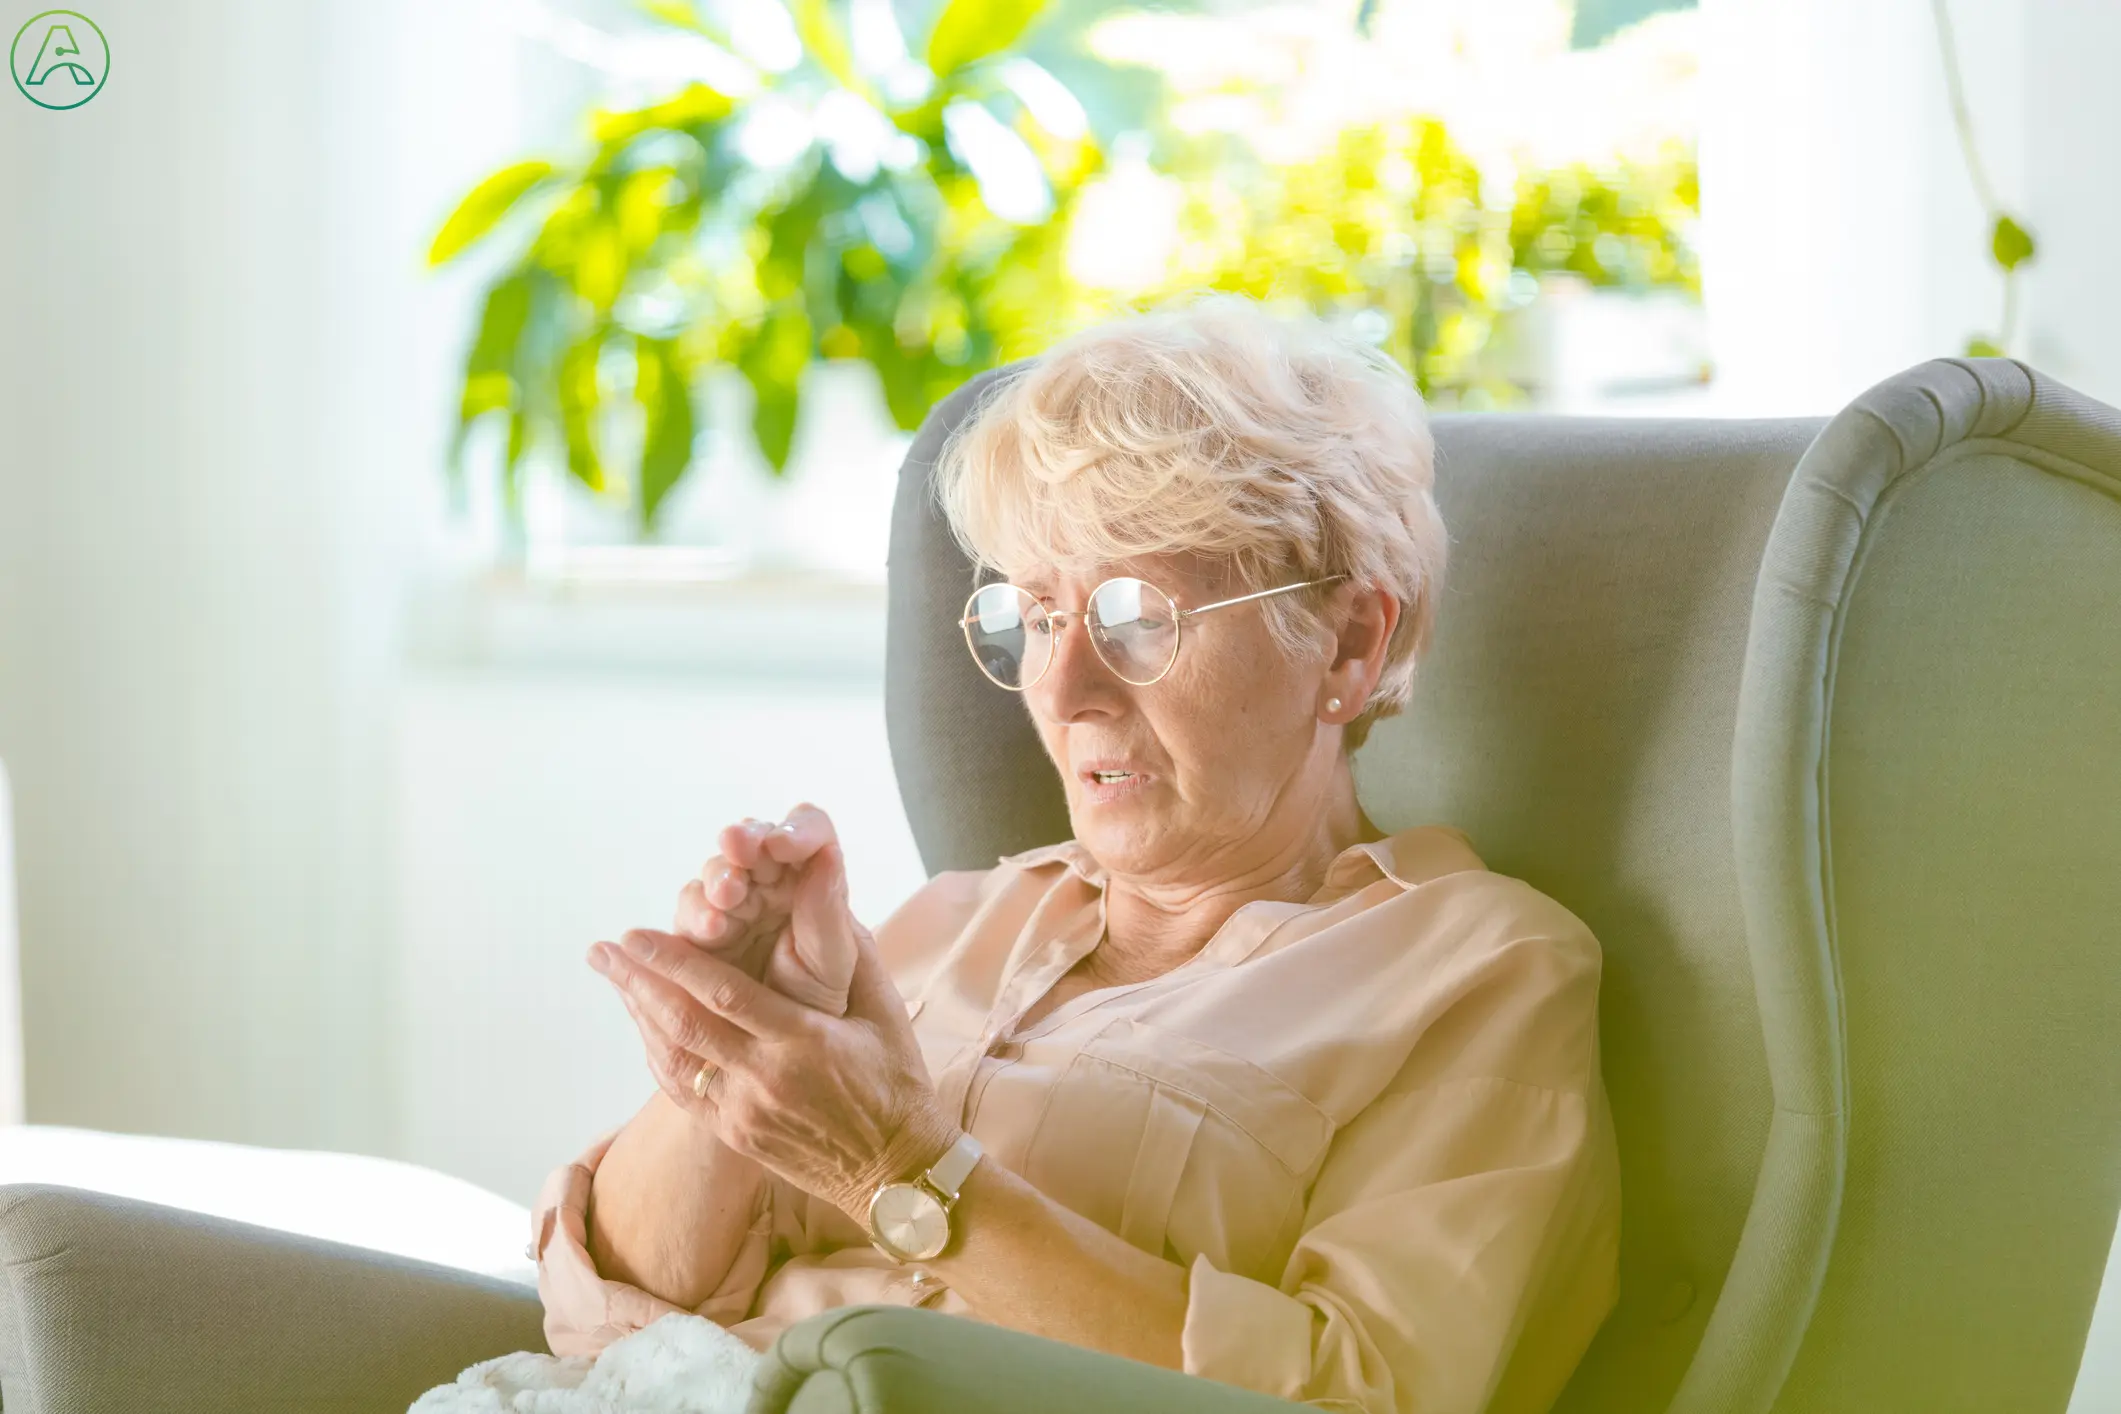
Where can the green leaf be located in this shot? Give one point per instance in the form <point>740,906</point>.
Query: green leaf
<point>826,42</point>
<point>1979,346</point>
<point>695,106</point>
<point>680,13</point>
<point>500,327</point>
<point>2012,244</point>
<point>518,444</point>
<point>486,204</point>
<point>600,265</point>
<point>907,375</point>
<point>664,392</point>
<point>788,234</point>
<point>640,205</point>
<point>773,362</point>
<point>518,441</point>
<point>484,393</point>
<point>581,398</point>
<point>489,368</point>
<point>970,30</point>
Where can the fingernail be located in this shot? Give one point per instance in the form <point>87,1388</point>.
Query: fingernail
<point>638,946</point>
<point>599,959</point>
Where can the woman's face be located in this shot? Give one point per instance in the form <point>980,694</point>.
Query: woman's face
<point>1223,760</point>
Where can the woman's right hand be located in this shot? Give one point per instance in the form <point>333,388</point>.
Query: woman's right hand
<point>772,904</point>
<point>670,1204</point>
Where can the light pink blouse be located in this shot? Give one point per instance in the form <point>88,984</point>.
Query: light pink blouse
<point>1369,1125</point>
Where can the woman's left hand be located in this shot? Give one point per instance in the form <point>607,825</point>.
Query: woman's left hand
<point>836,1105</point>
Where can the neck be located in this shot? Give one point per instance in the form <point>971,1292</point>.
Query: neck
<point>1153,925</point>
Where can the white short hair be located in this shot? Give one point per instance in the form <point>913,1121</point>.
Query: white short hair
<point>1270,444</point>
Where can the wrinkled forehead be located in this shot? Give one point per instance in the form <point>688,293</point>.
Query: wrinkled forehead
<point>1186,576</point>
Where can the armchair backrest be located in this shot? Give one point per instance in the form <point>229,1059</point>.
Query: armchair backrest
<point>1645,623</point>
<point>1574,718</point>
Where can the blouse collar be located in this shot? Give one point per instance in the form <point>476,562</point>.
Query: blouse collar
<point>1409,859</point>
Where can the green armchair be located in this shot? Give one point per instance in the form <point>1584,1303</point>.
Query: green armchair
<point>1814,724</point>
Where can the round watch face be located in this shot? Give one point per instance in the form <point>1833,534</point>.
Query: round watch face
<point>909,1221</point>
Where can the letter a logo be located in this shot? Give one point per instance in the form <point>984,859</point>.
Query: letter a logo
<point>59,59</point>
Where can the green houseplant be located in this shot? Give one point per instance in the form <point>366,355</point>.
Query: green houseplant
<point>668,248</point>
<point>919,220</point>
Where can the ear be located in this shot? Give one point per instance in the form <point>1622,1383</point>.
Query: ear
<point>1362,620</point>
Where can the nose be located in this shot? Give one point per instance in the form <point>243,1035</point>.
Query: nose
<point>1077,684</point>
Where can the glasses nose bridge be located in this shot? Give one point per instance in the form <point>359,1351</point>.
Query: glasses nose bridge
<point>1057,622</point>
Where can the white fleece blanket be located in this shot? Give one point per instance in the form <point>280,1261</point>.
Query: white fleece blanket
<point>679,1365</point>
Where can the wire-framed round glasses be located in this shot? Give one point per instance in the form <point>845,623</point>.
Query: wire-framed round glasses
<point>1134,626</point>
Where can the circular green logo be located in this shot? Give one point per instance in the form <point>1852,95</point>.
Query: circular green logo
<point>59,59</point>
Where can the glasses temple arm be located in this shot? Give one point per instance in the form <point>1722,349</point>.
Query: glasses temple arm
<point>1262,594</point>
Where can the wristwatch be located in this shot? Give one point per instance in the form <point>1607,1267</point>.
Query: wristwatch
<point>910,1222</point>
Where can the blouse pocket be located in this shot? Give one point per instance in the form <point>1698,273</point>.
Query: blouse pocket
<point>1162,1139</point>
<point>1160,1162</point>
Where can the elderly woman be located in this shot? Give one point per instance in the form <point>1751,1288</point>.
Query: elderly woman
<point>1233,1081</point>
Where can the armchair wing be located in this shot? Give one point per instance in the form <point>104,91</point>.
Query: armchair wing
<point>111,1306</point>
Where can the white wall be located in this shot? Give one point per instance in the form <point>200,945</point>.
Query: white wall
<point>170,578</point>
<point>2072,119</point>
<point>218,419</point>
<point>1842,240</point>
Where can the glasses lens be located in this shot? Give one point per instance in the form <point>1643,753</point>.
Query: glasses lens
<point>1006,630</point>
<point>1135,628</point>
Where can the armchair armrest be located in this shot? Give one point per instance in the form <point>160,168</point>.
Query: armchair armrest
<point>905,1360</point>
<point>110,1305</point>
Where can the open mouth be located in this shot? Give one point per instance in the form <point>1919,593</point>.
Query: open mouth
<point>1107,781</point>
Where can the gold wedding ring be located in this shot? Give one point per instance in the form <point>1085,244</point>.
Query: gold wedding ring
<point>701,1081</point>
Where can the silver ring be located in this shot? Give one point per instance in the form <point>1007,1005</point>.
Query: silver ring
<point>702,1080</point>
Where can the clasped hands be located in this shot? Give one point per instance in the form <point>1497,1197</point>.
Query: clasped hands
<point>767,976</point>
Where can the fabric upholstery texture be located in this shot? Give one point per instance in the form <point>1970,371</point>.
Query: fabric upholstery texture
<point>867,1359</point>
<point>964,750</point>
<point>1927,813</point>
<point>1574,718</point>
<point>112,1306</point>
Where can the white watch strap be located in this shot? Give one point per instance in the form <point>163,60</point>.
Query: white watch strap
<point>951,1170</point>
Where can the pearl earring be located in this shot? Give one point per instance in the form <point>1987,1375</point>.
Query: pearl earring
<point>1332,704</point>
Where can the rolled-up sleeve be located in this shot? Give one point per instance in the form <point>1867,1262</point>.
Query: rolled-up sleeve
<point>586,1311</point>
<point>1452,1216</point>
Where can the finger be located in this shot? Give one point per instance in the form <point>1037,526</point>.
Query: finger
<point>818,963</point>
<point>733,889</point>
<point>720,989</point>
<point>674,1072</point>
<point>682,1018</point>
<point>670,1068</point>
<point>741,845</point>
<point>677,1071</point>
<point>806,830</point>
<point>698,919</point>
<point>727,883</point>
<point>871,994</point>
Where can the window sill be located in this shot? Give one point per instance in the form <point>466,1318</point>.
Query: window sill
<point>759,624</point>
